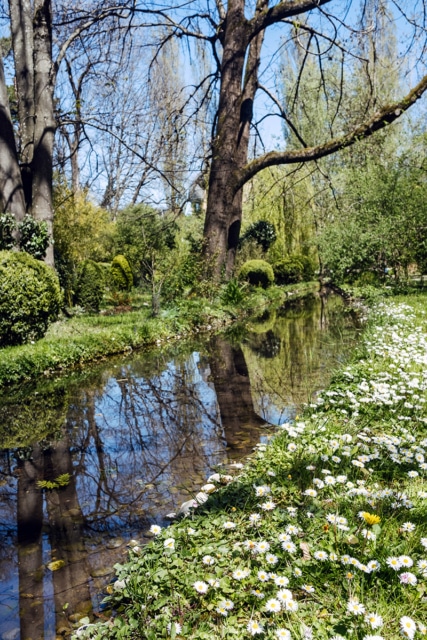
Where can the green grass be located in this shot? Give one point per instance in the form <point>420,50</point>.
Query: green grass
<point>302,541</point>
<point>77,341</point>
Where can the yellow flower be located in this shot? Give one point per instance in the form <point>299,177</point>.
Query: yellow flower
<point>370,518</point>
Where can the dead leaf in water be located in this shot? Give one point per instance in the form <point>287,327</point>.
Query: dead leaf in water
<point>55,565</point>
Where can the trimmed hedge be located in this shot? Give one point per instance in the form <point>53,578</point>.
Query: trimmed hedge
<point>30,298</point>
<point>90,286</point>
<point>121,274</point>
<point>295,268</point>
<point>257,272</point>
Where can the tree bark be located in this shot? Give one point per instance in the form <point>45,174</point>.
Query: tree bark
<point>11,189</point>
<point>44,130</point>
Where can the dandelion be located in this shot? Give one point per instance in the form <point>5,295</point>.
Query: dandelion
<point>169,543</point>
<point>283,634</point>
<point>155,529</point>
<point>374,620</point>
<point>355,607</point>
<point>272,605</point>
<point>408,626</point>
<point>254,628</point>
<point>208,560</point>
<point>408,578</point>
<point>369,518</point>
<point>200,586</point>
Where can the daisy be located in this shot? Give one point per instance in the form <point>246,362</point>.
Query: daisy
<point>291,605</point>
<point>374,620</point>
<point>394,563</point>
<point>408,626</point>
<point>308,588</point>
<point>272,605</point>
<point>289,546</point>
<point>312,493</point>
<point>169,543</point>
<point>155,529</point>
<point>240,574</point>
<point>408,578</point>
<point>262,546</point>
<point>257,593</point>
<point>263,576</point>
<point>281,581</point>
<point>355,607</point>
<point>406,561</point>
<point>283,634</point>
<point>221,610</point>
<point>229,525</point>
<point>269,505</point>
<point>255,518</point>
<point>321,555</point>
<point>208,560</point>
<point>254,628</point>
<point>200,586</point>
<point>262,491</point>
<point>227,604</point>
<point>213,582</point>
<point>270,558</point>
<point>408,527</point>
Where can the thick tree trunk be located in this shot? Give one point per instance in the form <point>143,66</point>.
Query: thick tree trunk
<point>21,20</point>
<point>44,132</point>
<point>11,189</point>
<point>239,81</point>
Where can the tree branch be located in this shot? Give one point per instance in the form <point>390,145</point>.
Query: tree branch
<point>282,10</point>
<point>382,118</point>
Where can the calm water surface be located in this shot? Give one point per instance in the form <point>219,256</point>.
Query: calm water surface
<point>137,436</point>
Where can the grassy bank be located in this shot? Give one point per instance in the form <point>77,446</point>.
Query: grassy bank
<point>323,534</point>
<point>76,341</point>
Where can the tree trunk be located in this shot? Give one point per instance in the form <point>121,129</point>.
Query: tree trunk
<point>230,146</point>
<point>11,189</point>
<point>44,132</point>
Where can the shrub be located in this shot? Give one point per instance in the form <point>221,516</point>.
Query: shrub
<point>288,270</point>
<point>90,286</point>
<point>257,272</point>
<point>30,298</point>
<point>263,232</point>
<point>121,274</point>
<point>34,236</point>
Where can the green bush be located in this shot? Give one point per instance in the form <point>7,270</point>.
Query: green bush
<point>289,270</point>
<point>30,298</point>
<point>90,286</point>
<point>121,274</point>
<point>257,272</point>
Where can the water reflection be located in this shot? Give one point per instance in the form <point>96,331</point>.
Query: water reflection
<point>137,437</point>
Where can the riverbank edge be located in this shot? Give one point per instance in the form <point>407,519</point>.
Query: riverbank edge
<point>270,475</point>
<point>79,341</point>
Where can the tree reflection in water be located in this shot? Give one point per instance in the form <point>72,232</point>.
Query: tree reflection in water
<point>136,439</point>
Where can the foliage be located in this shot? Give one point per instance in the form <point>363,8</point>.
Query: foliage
<point>121,274</point>
<point>30,298</point>
<point>257,272</point>
<point>82,231</point>
<point>34,237</point>
<point>233,292</point>
<point>288,270</point>
<point>7,227</point>
<point>90,286</point>
<point>59,482</point>
<point>262,231</point>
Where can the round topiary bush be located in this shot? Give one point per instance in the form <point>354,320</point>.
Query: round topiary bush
<point>121,274</point>
<point>30,298</point>
<point>90,286</point>
<point>288,270</point>
<point>257,272</point>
